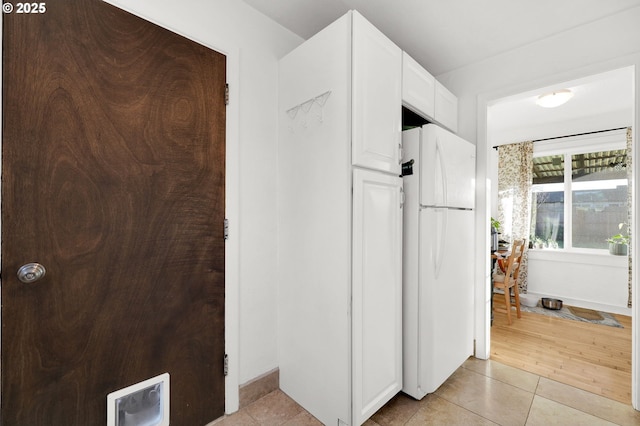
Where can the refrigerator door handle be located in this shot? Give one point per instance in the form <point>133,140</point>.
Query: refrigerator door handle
<point>443,172</point>
<point>440,240</point>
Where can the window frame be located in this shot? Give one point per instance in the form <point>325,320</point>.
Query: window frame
<point>568,146</point>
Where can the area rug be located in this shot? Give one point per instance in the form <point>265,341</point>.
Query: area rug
<point>588,314</point>
<point>565,312</point>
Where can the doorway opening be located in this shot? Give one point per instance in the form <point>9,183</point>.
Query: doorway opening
<point>601,102</point>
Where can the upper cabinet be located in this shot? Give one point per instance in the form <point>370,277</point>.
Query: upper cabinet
<point>376,96</point>
<point>426,96</point>
<point>418,87</point>
<point>446,108</point>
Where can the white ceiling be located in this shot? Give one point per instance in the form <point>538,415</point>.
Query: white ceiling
<point>444,35</point>
<point>600,102</point>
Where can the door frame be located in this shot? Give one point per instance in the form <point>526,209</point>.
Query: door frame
<point>232,208</point>
<point>483,188</point>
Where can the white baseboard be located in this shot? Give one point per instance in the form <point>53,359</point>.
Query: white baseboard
<point>588,305</point>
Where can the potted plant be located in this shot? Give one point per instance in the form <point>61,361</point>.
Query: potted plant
<point>619,243</point>
<point>537,242</point>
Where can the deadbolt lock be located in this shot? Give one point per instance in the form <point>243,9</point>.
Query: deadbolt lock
<point>31,272</point>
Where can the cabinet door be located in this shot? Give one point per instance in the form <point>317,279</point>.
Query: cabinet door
<point>376,291</point>
<point>418,87</point>
<point>376,98</point>
<point>446,108</point>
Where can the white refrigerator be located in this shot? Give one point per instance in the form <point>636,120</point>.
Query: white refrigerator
<point>438,241</point>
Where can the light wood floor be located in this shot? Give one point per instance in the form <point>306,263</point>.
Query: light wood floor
<point>595,358</point>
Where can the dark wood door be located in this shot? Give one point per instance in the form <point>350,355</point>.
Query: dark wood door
<point>113,179</point>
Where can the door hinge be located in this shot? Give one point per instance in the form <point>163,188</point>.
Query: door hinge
<point>226,229</point>
<point>402,198</point>
<point>226,94</point>
<point>226,364</point>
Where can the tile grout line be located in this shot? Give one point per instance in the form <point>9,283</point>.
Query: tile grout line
<point>535,393</point>
<point>466,409</point>
<point>499,381</point>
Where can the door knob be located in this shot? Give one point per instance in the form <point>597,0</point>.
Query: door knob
<point>31,272</point>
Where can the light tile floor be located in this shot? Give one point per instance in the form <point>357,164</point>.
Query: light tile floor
<point>478,393</point>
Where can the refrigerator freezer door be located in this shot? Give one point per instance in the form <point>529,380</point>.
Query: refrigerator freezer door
<point>446,294</point>
<point>448,169</point>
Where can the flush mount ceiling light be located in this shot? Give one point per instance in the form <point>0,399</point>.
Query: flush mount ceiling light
<point>554,99</point>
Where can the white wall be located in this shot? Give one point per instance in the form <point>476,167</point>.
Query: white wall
<point>603,45</point>
<point>576,53</point>
<point>253,44</point>
<point>593,281</point>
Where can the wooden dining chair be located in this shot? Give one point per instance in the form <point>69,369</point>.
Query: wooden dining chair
<point>508,279</point>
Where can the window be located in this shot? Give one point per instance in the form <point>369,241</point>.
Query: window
<point>547,204</point>
<point>578,198</point>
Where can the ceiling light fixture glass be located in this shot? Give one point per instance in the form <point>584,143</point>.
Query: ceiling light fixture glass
<point>554,99</point>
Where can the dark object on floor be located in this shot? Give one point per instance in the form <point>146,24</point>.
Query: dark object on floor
<point>589,314</point>
<point>554,304</point>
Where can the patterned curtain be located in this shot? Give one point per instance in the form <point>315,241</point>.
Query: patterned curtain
<point>630,204</point>
<point>515,176</point>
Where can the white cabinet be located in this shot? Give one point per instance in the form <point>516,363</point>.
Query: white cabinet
<point>377,94</point>
<point>377,297</point>
<point>426,96</point>
<point>418,87</point>
<point>446,108</point>
<point>339,223</point>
